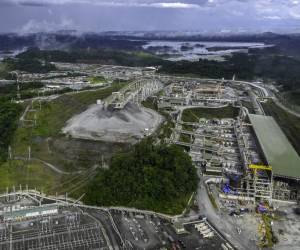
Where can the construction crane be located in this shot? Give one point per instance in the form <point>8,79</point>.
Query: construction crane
<point>260,167</point>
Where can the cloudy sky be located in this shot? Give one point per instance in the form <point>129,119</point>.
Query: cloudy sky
<point>194,15</point>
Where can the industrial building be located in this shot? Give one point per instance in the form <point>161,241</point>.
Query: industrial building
<point>250,151</point>
<point>135,92</point>
<point>271,166</point>
<point>195,93</point>
<point>26,213</point>
<point>277,174</point>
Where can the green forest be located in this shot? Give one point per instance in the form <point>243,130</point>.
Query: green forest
<point>284,70</point>
<point>26,90</point>
<point>9,114</point>
<point>101,56</point>
<point>267,64</point>
<point>160,178</point>
<point>28,64</point>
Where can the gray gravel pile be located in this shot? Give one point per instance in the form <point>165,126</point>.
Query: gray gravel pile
<point>126,125</point>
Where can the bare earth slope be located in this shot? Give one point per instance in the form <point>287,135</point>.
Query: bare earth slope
<point>127,125</point>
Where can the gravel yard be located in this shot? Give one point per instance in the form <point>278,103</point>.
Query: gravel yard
<point>126,125</point>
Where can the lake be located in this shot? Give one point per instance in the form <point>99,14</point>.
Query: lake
<point>193,51</point>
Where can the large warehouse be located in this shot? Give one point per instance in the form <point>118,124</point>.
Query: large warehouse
<point>282,162</point>
<point>277,150</point>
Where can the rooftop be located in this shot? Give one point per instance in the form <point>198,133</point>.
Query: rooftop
<point>277,149</point>
<point>29,211</point>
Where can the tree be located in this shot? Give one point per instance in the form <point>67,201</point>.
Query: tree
<point>9,114</point>
<point>152,177</point>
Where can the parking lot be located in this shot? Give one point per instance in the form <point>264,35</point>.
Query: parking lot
<point>151,232</point>
<point>141,231</point>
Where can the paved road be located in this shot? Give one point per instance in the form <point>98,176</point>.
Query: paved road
<point>219,220</point>
<point>268,93</point>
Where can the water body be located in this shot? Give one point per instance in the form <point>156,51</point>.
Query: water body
<point>10,53</point>
<point>193,51</point>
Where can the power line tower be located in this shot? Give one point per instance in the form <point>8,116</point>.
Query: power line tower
<point>29,153</point>
<point>18,87</point>
<point>9,152</point>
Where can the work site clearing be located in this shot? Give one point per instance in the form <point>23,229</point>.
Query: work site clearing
<point>127,125</point>
<point>242,202</point>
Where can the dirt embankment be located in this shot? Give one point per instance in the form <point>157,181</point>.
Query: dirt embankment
<point>78,154</point>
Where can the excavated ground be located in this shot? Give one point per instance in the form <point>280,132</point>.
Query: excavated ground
<point>127,125</point>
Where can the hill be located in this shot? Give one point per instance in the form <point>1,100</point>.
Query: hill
<point>160,178</point>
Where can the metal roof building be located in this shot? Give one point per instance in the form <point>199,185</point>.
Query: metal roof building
<point>277,150</point>
<point>30,212</point>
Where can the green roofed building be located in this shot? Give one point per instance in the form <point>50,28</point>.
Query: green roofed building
<point>276,148</point>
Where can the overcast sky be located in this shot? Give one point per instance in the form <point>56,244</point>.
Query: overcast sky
<point>196,15</point>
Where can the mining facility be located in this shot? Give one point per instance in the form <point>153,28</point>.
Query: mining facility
<point>273,171</point>
<point>249,151</point>
<point>242,156</point>
<point>31,220</point>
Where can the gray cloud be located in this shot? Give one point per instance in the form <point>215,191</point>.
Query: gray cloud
<point>268,9</point>
<point>97,15</point>
<point>34,26</point>
<point>117,3</point>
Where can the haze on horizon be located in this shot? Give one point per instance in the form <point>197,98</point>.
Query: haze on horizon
<point>207,16</point>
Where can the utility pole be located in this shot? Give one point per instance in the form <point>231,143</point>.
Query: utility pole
<point>9,152</point>
<point>18,91</point>
<point>10,237</point>
<point>7,196</point>
<point>29,153</point>
<point>18,87</point>
<point>35,119</point>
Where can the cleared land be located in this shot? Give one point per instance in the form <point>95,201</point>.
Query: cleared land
<point>194,114</point>
<point>127,125</point>
<point>16,172</point>
<point>46,140</point>
<point>165,129</point>
<point>53,116</point>
<point>289,123</point>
